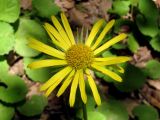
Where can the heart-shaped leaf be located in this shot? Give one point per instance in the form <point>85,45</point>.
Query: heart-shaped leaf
<point>34,106</point>
<point>6,38</point>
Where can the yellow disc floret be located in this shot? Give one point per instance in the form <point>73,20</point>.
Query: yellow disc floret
<point>79,56</point>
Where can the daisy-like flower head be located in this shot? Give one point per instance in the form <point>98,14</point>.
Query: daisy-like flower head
<point>76,59</point>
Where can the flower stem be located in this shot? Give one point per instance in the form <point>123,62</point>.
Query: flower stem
<point>84,111</point>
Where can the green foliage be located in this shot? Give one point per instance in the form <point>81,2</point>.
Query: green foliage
<point>133,79</point>
<point>45,8</point>
<point>152,69</point>
<point>34,106</point>
<point>132,43</point>
<point>38,75</point>
<point>6,38</point>
<point>9,10</point>
<point>28,28</point>
<point>6,113</point>
<point>145,112</point>
<point>5,66</point>
<point>120,7</point>
<point>147,18</point>
<point>108,110</point>
<point>155,42</point>
<point>14,90</point>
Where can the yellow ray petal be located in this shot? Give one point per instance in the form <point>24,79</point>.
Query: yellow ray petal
<point>119,68</point>
<point>107,72</point>
<point>82,87</point>
<point>47,63</point>
<point>94,32</point>
<point>35,44</point>
<point>66,83</point>
<point>110,43</point>
<point>58,76</point>
<point>57,43</point>
<point>93,88</point>
<point>52,87</point>
<point>50,29</point>
<point>74,89</point>
<point>103,33</point>
<point>111,60</point>
<point>60,30</point>
<point>67,28</point>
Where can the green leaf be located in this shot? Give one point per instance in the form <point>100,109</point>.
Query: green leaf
<point>132,43</point>
<point>147,21</point>
<point>41,74</point>
<point>133,79</point>
<point>9,10</point>
<point>152,69</point>
<point>27,29</point>
<point>45,8</point>
<point>5,66</point>
<point>34,106</point>
<point>94,115</point>
<point>148,8</point>
<point>155,43</point>
<point>120,7</point>
<point>113,110</point>
<point>14,90</point>
<point>6,38</point>
<point>6,113</point>
<point>119,46</point>
<point>145,112</point>
<point>147,26</point>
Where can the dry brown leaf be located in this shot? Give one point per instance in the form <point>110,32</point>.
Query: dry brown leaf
<point>154,83</point>
<point>26,4</point>
<point>142,56</point>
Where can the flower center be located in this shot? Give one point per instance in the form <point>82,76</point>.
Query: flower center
<point>79,56</point>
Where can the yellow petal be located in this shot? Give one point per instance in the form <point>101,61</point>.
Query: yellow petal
<point>58,76</point>
<point>111,60</point>
<point>82,87</point>
<point>35,44</point>
<point>94,32</point>
<point>74,89</point>
<point>103,33</point>
<point>93,88</point>
<point>47,63</point>
<point>66,83</point>
<point>57,43</point>
<point>110,43</point>
<point>60,30</point>
<point>67,28</point>
<point>119,69</point>
<point>50,29</point>
<point>107,72</point>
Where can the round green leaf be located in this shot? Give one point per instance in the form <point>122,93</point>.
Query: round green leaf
<point>33,106</point>
<point>40,74</point>
<point>152,69</point>
<point>45,8</point>
<point>27,29</point>
<point>133,79</point>
<point>144,112</point>
<point>6,38</point>
<point>6,113</point>
<point>9,10</point>
<point>155,43</point>
<point>132,43</point>
<point>147,26</point>
<point>113,110</point>
<point>147,21</point>
<point>14,91</point>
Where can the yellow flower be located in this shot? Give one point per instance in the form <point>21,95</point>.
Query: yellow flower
<point>76,59</point>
